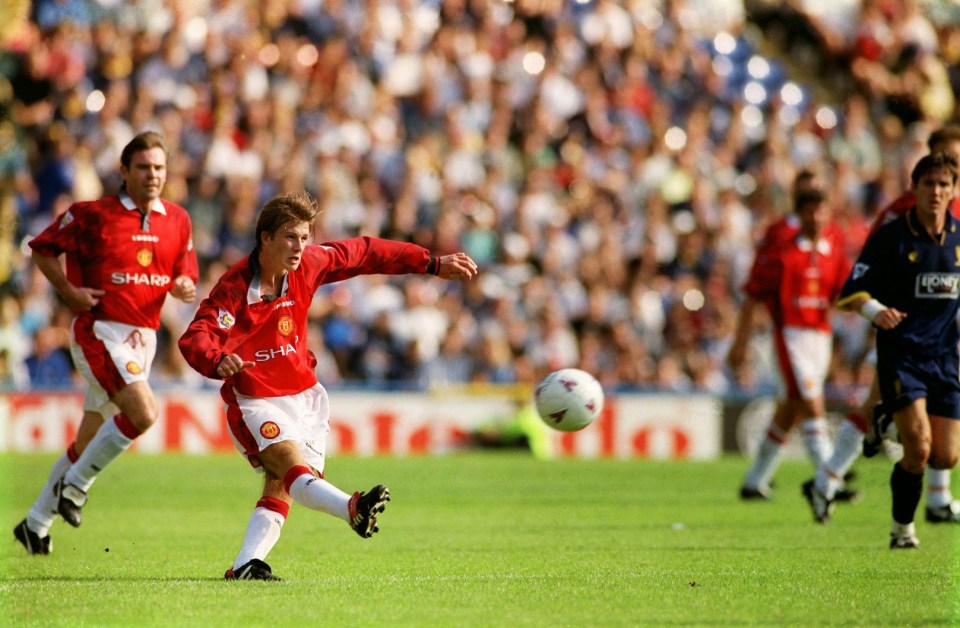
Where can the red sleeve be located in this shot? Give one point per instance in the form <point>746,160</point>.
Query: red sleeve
<point>763,282</point>
<point>202,344</point>
<point>367,256</point>
<point>65,234</point>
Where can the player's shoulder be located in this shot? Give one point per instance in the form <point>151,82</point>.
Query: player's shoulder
<point>175,210</point>
<point>234,282</point>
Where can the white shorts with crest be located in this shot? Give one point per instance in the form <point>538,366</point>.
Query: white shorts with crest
<point>304,418</point>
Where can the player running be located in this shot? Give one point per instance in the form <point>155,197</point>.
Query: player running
<point>124,253</point>
<point>856,433</point>
<point>798,281</point>
<point>907,283</point>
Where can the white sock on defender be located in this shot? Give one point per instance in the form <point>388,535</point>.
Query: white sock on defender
<point>938,487</point>
<point>846,449</point>
<point>815,440</point>
<point>44,510</point>
<point>263,530</point>
<point>768,455</point>
<point>316,493</point>
<point>106,446</point>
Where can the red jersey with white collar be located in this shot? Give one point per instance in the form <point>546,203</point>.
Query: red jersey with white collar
<point>800,281</point>
<point>900,206</point>
<point>108,245</point>
<point>273,334</point>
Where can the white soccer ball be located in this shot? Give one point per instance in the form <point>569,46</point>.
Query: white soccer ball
<point>569,399</point>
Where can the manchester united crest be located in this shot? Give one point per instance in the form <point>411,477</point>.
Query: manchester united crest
<point>144,257</point>
<point>269,430</point>
<point>285,325</point>
<point>133,368</point>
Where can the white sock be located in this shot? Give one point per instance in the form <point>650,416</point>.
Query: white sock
<point>106,446</point>
<point>815,440</point>
<point>902,528</point>
<point>318,494</point>
<point>846,449</point>
<point>263,532</point>
<point>44,510</point>
<point>938,487</point>
<point>768,455</point>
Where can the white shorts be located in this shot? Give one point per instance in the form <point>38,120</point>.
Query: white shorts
<point>804,358</point>
<point>110,356</point>
<point>304,418</point>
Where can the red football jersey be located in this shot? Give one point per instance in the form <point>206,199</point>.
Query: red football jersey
<point>900,206</point>
<point>273,334</point>
<point>107,247</point>
<point>799,282</point>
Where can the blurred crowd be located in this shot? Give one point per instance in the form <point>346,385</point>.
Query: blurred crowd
<point>608,163</point>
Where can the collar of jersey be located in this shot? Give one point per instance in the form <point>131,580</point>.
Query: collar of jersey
<point>805,245</point>
<point>155,206</point>
<point>253,292</point>
<point>917,229</point>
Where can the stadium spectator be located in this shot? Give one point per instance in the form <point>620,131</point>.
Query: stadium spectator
<point>904,282</point>
<point>124,253</point>
<point>796,276</point>
<point>251,332</point>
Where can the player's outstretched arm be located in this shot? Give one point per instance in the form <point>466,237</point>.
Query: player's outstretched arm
<point>455,266</point>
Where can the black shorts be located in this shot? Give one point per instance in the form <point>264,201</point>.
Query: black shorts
<point>906,377</point>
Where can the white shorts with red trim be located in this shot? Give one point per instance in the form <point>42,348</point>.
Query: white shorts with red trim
<point>804,358</point>
<point>109,356</point>
<point>304,418</point>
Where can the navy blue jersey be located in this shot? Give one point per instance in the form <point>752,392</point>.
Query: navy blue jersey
<point>904,268</point>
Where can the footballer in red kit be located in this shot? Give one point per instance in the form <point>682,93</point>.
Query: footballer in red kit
<point>122,255</point>
<point>798,280</point>
<point>251,332</point>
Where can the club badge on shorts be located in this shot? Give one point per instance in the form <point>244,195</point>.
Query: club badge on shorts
<point>133,368</point>
<point>269,430</point>
<point>285,325</point>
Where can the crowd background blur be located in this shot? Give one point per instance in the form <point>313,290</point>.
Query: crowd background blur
<point>609,164</point>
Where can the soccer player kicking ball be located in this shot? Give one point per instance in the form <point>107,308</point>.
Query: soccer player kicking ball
<point>907,283</point>
<point>124,253</point>
<point>252,333</point>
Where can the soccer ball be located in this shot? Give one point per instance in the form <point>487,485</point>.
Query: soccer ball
<point>569,399</point>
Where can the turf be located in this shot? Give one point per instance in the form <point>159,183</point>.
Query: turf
<point>478,539</point>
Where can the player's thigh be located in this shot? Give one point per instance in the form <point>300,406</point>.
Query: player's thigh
<point>280,457</point>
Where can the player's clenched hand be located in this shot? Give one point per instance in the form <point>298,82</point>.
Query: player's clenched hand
<point>889,318</point>
<point>231,365</point>
<point>84,299</point>
<point>184,289</point>
<point>457,266</point>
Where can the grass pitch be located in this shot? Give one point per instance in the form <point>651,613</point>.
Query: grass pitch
<point>477,539</point>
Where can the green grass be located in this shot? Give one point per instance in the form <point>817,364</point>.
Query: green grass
<point>477,540</point>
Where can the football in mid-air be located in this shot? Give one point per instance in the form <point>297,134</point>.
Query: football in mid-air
<point>569,399</point>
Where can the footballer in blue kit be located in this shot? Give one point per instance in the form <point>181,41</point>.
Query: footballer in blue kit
<point>906,281</point>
